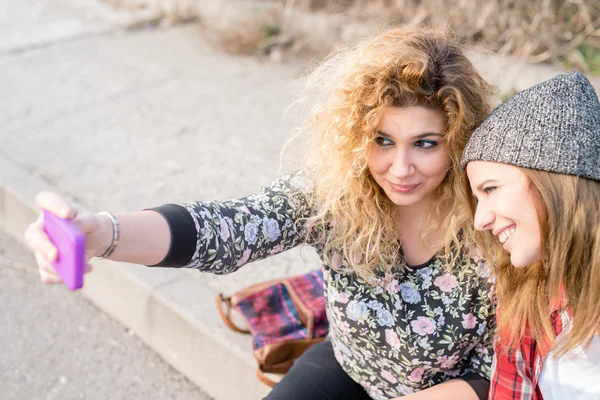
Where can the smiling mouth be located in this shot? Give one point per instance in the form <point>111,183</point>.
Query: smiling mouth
<point>506,234</point>
<point>403,188</point>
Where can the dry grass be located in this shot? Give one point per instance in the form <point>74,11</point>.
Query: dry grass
<point>563,32</point>
<point>553,31</point>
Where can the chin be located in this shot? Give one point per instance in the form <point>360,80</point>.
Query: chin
<point>405,202</point>
<point>519,265</point>
<point>405,199</point>
<point>520,262</point>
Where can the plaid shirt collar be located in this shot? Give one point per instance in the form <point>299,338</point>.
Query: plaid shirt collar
<point>516,372</point>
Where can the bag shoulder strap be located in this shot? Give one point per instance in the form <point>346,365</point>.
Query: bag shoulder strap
<point>250,290</point>
<point>265,379</point>
<point>226,315</point>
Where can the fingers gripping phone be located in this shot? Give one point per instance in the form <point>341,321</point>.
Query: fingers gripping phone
<point>70,246</point>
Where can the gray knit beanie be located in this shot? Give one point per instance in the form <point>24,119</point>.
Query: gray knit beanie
<point>553,126</point>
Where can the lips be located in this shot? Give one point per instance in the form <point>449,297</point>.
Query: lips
<point>403,188</point>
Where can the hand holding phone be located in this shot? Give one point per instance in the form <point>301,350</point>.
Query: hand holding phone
<point>70,246</point>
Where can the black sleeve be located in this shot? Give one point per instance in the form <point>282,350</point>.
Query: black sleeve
<point>478,383</point>
<point>221,236</point>
<point>183,235</point>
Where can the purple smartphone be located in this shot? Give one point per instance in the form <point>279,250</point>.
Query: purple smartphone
<point>70,244</point>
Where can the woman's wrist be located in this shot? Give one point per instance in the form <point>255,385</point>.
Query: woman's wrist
<point>103,238</point>
<point>116,234</point>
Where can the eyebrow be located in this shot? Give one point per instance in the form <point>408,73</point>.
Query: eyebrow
<point>419,136</point>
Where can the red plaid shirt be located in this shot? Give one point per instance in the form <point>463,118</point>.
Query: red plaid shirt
<point>516,372</point>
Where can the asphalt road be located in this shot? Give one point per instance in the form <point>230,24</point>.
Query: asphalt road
<point>57,345</point>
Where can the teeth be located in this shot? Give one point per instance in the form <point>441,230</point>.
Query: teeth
<point>506,234</point>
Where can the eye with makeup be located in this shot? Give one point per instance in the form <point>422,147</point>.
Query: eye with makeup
<point>425,144</point>
<point>383,141</point>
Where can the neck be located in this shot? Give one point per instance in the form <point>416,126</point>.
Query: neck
<point>411,222</point>
<point>415,213</point>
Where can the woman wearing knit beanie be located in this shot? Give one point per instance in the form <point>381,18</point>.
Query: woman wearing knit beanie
<point>534,172</point>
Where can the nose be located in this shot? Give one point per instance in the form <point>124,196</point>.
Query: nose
<point>402,165</point>
<point>484,218</point>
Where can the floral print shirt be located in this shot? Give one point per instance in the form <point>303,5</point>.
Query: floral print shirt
<point>407,330</point>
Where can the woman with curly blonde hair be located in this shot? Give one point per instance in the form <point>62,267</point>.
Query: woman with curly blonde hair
<point>408,301</point>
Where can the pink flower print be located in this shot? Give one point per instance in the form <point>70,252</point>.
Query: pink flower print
<point>416,375</point>
<point>446,282</point>
<point>469,321</point>
<point>345,328</point>
<point>277,249</point>
<point>245,209</point>
<point>392,338</point>
<point>342,298</point>
<point>423,326</point>
<point>491,292</point>
<point>225,234</point>
<point>245,258</point>
<point>448,362</point>
<point>393,287</point>
<point>388,376</point>
<point>388,277</point>
<point>476,254</point>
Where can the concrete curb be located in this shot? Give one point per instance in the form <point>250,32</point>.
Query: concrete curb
<point>171,314</point>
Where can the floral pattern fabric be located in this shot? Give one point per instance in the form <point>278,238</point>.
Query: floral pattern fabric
<point>407,330</point>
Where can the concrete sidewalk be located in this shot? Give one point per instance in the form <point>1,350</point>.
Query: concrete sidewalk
<point>124,121</point>
<point>56,345</point>
<point>119,120</point>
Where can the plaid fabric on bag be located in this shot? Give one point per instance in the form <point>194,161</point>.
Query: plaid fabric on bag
<point>272,316</point>
<point>310,289</point>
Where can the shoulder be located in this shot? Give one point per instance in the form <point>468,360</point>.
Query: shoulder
<point>468,264</point>
<point>294,182</point>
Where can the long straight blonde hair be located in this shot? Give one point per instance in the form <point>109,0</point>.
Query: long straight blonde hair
<point>568,209</point>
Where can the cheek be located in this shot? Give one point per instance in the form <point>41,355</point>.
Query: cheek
<point>533,223</point>
<point>376,161</point>
<point>435,166</point>
<point>527,207</point>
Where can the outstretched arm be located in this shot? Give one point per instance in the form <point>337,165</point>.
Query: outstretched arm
<point>217,237</point>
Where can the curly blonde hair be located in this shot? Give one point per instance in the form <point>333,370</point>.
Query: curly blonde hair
<point>350,91</point>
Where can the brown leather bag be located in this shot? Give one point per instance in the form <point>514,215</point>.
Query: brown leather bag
<point>284,316</point>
